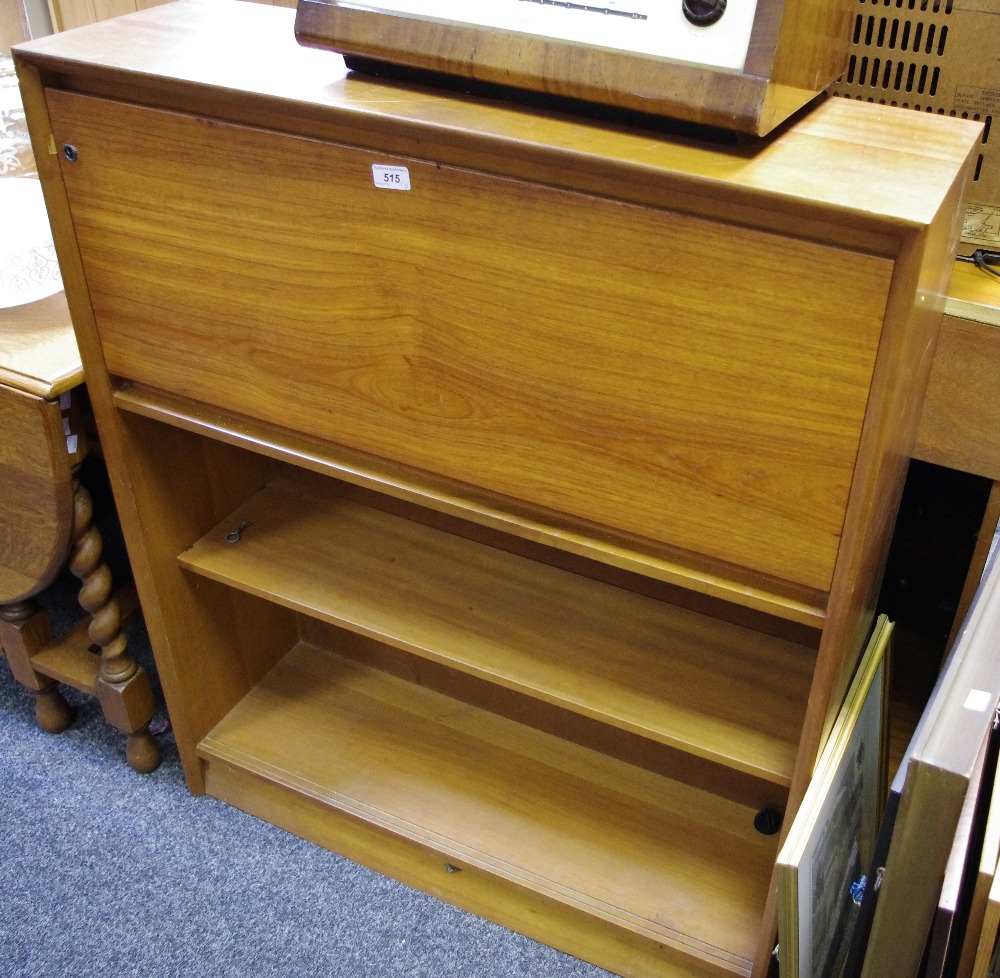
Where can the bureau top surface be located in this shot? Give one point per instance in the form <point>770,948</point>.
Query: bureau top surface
<point>878,168</point>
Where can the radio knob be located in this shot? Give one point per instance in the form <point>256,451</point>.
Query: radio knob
<point>703,12</point>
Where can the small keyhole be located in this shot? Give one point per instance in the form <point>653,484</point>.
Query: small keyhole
<point>70,153</point>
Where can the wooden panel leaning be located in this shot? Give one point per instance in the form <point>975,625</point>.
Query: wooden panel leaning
<point>507,492</point>
<point>960,424</point>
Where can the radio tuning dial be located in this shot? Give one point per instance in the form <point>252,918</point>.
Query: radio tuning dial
<point>703,12</point>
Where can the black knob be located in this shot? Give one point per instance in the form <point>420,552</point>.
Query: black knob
<point>767,821</point>
<point>703,12</point>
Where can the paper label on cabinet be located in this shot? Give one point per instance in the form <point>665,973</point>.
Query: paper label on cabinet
<point>391,177</point>
<point>977,700</point>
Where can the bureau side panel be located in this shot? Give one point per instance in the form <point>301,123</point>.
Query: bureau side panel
<point>694,383</point>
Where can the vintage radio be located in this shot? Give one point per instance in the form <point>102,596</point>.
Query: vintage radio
<point>744,66</point>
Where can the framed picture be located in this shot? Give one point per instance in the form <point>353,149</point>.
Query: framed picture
<point>832,840</point>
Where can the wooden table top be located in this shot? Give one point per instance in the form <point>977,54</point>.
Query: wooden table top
<point>973,294</point>
<point>38,351</point>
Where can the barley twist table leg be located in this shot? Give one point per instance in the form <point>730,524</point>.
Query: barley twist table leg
<point>122,687</point>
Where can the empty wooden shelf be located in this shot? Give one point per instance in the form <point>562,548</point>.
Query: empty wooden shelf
<point>490,796</point>
<point>507,492</point>
<point>636,663</point>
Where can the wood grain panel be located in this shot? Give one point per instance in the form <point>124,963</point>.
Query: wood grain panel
<point>960,422</point>
<point>528,348</point>
<point>810,52</point>
<point>36,512</point>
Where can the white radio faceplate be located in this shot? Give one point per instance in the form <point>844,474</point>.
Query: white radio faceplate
<point>650,27</point>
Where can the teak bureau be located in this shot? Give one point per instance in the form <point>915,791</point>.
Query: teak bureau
<point>507,492</point>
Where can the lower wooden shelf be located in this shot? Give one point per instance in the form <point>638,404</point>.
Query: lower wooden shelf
<point>720,693</point>
<point>563,838</point>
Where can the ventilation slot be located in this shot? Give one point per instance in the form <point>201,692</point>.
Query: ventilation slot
<point>898,47</point>
<point>930,39</point>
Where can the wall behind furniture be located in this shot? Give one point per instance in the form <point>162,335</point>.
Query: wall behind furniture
<point>66,14</point>
<point>13,25</point>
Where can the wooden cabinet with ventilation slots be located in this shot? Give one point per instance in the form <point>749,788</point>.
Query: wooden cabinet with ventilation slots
<point>507,492</point>
<point>935,56</point>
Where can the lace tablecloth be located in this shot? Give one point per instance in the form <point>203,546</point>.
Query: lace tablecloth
<point>28,266</point>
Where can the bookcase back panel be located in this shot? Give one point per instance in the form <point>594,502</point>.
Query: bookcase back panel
<point>690,382</point>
